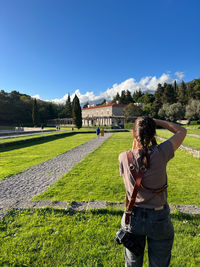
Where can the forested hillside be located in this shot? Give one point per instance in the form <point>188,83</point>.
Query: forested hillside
<point>170,101</point>
<point>16,109</point>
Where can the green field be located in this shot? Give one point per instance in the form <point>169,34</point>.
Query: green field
<point>48,237</point>
<point>15,159</point>
<point>88,180</point>
<point>57,238</point>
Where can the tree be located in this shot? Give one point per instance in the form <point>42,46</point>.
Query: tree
<point>193,110</point>
<point>116,98</point>
<point>159,96</point>
<point>190,91</point>
<point>182,96</point>
<point>123,97</point>
<point>175,87</point>
<point>103,102</point>
<point>68,108</point>
<point>76,112</point>
<point>197,89</point>
<point>172,112</point>
<point>129,98</point>
<point>149,110</point>
<point>35,113</point>
<point>50,111</point>
<point>137,95</point>
<point>146,98</point>
<point>131,111</point>
<point>169,95</point>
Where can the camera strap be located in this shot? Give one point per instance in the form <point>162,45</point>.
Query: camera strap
<point>137,174</point>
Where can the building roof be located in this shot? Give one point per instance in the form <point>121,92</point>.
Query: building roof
<point>108,105</point>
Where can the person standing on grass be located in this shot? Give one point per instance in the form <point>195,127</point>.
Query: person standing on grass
<point>150,219</point>
<point>102,132</point>
<point>98,131</point>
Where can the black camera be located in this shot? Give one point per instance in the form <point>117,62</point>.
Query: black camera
<point>129,240</point>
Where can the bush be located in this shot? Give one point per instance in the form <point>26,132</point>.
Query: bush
<point>129,125</point>
<point>193,110</point>
<point>194,122</point>
<point>172,112</point>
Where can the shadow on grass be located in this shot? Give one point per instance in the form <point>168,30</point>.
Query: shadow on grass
<point>183,216</point>
<point>62,212</point>
<point>35,141</point>
<point>192,218</point>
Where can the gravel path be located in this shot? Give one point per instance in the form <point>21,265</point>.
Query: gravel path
<point>194,135</point>
<point>35,180</point>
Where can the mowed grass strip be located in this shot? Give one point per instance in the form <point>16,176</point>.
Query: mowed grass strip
<point>32,136</point>
<point>188,141</point>
<point>97,176</point>
<point>57,238</point>
<point>194,131</point>
<point>20,157</point>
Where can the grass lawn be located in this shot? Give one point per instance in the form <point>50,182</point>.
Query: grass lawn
<point>193,131</point>
<point>57,238</point>
<point>188,141</point>
<point>18,158</point>
<point>48,237</point>
<point>97,176</point>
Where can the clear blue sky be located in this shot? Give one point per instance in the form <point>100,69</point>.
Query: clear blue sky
<point>52,47</point>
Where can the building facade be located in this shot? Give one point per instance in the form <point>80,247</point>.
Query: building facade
<point>104,115</point>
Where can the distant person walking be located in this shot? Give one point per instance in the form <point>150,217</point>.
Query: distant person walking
<point>98,131</point>
<point>102,132</point>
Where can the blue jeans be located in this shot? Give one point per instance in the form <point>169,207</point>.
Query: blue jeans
<point>156,227</point>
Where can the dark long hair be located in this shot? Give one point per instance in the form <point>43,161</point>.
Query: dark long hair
<point>144,131</point>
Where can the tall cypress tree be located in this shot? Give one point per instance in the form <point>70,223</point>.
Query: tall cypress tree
<point>158,96</point>
<point>68,108</point>
<point>169,95</point>
<point>129,98</point>
<point>51,111</point>
<point>76,112</point>
<point>35,113</point>
<point>182,95</point>
<point>123,97</point>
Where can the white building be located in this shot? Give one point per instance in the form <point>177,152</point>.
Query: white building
<point>110,114</point>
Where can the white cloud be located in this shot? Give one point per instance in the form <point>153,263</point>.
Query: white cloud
<point>145,83</point>
<point>179,75</point>
<point>36,96</point>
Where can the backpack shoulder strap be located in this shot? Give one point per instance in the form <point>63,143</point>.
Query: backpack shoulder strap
<point>137,175</point>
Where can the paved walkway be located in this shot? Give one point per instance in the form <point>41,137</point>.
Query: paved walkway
<point>22,187</point>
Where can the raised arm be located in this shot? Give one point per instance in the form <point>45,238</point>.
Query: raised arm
<point>179,132</point>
